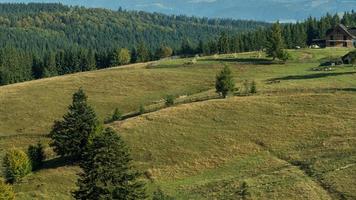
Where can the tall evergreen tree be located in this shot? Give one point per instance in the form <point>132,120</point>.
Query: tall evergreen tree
<point>49,65</point>
<point>223,43</point>
<point>107,171</point>
<point>71,135</point>
<point>186,47</point>
<point>275,42</point>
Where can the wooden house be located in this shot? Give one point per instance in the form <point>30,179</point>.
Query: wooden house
<point>341,36</point>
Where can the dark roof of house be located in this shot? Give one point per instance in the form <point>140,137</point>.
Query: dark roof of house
<point>350,31</point>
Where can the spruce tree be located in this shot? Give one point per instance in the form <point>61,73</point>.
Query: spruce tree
<point>223,43</point>
<point>71,135</point>
<point>107,172</point>
<point>275,43</point>
<point>224,82</point>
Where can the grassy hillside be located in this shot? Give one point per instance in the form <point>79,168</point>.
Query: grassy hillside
<point>282,146</point>
<point>295,138</point>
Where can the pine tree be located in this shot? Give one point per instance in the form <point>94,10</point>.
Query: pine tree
<point>186,48</point>
<point>223,43</point>
<point>37,155</point>
<point>275,42</point>
<point>107,171</point>
<point>224,82</point>
<point>49,64</point>
<point>71,135</point>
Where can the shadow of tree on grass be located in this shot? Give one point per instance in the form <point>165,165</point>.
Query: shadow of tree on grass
<point>254,61</point>
<point>56,163</point>
<point>311,76</point>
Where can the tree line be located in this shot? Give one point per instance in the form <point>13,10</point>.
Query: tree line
<point>43,40</point>
<point>299,34</point>
<point>17,65</point>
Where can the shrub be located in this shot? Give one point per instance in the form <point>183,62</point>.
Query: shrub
<point>37,155</point>
<point>169,100</point>
<point>142,109</point>
<point>159,195</point>
<point>284,55</point>
<point>16,165</point>
<point>253,89</point>
<point>117,115</point>
<point>6,191</point>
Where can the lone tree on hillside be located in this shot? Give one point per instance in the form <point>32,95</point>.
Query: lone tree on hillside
<point>275,43</point>
<point>107,171</point>
<point>224,82</point>
<point>71,135</point>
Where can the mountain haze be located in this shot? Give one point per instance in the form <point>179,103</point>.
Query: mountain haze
<point>262,10</point>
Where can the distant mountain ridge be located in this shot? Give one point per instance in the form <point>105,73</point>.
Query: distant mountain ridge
<point>261,10</point>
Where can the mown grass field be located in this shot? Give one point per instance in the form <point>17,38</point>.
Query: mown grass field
<point>295,139</point>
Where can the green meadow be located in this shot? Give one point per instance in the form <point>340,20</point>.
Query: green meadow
<point>294,139</point>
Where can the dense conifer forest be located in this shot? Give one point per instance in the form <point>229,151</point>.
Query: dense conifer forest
<point>43,40</point>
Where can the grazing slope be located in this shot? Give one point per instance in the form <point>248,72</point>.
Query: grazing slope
<point>294,139</point>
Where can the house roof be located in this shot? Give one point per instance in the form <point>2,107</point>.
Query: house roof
<point>350,31</point>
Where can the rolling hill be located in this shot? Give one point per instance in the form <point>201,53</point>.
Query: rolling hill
<point>294,139</point>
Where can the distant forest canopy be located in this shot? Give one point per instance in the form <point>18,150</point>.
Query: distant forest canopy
<point>44,27</point>
<point>43,40</point>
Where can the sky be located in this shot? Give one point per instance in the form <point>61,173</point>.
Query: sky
<point>262,10</point>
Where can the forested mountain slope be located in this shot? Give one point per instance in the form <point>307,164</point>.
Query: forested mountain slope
<point>39,27</point>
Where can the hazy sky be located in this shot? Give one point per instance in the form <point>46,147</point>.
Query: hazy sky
<point>266,10</point>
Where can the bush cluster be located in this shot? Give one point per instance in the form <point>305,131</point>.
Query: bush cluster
<point>16,165</point>
<point>6,191</point>
<point>169,100</point>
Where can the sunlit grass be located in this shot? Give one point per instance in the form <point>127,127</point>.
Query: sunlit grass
<point>290,141</point>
